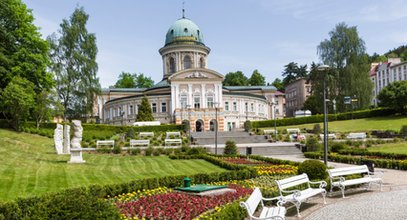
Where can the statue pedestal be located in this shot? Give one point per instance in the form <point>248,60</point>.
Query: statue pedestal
<point>76,156</point>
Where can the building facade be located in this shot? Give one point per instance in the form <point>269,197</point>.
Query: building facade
<point>382,74</point>
<point>189,91</point>
<point>296,93</point>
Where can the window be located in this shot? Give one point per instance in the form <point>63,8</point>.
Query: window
<point>131,110</point>
<point>154,107</point>
<point>184,100</point>
<point>252,107</point>
<point>172,65</point>
<point>246,106</point>
<point>226,106</point>
<point>187,62</point>
<point>234,106</point>
<point>209,101</point>
<point>163,107</point>
<point>185,29</point>
<point>197,101</point>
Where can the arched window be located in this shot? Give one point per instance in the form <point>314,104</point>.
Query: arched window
<point>201,63</point>
<point>172,65</point>
<point>187,62</point>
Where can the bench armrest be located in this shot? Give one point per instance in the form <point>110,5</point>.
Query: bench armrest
<point>322,184</point>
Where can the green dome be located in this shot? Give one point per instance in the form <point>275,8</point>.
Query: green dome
<point>184,31</point>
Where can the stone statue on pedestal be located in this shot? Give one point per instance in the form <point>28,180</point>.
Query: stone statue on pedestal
<point>59,138</point>
<point>67,139</point>
<point>76,150</point>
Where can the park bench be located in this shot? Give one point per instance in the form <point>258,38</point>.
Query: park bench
<point>337,177</point>
<point>135,143</point>
<point>271,131</point>
<point>175,134</point>
<point>146,134</point>
<point>293,130</point>
<point>297,189</point>
<point>356,136</point>
<point>170,142</point>
<point>105,143</point>
<point>256,198</point>
<point>330,136</point>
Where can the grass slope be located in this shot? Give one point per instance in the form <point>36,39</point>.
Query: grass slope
<point>365,124</point>
<point>29,166</point>
<point>398,148</point>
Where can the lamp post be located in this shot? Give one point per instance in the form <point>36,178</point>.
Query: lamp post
<point>273,109</point>
<point>324,68</point>
<point>216,126</point>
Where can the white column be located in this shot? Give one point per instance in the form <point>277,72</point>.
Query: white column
<point>176,97</point>
<point>173,98</point>
<point>203,91</point>
<point>220,96</point>
<point>190,101</point>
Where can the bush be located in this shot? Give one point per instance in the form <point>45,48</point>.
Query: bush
<point>117,149</point>
<point>338,146</point>
<point>230,148</point>
<point>403,131</point>
<point>315,169</point>
<point>313,144</point>
<point>135,151</point>
<point>130,133</point>
<point>316,129</point>
<point>148,151</point>
<point>196,150</point>
<point>247,126</point>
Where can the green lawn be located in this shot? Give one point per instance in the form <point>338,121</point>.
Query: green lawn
<point>29,167</point>
<point>399,148</point>
<point>364,124</point>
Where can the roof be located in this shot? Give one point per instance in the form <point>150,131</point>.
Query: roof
<point>184,31</point>
<point>250,88</point>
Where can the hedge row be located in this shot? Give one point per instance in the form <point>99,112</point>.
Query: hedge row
<point>320,118</point>
<point>382,163</point>
<point>364,152</point>
<point>87,202</point>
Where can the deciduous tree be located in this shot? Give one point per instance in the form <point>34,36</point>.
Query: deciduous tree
<point>257,79</point>
<point>235,79</point>
<point>73,57</point>
<point>278,84</point>
<point>394,96</point>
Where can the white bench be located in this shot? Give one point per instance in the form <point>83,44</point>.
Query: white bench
<point>146,134</point>
<point>330,136</point>
<point>169,142</point>
<point>337,177</point>
<point>176,134</point>
<point>295,196</point>
<point>134,143</point>
<point>272,131</point>
<point>256,198</point>
<point>356,136</point>
<point>105,143</point>
<point>293,130</point>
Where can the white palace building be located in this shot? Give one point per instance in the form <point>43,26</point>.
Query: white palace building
<point>190,91</point>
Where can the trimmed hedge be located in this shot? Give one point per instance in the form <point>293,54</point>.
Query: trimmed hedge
<point>320,118</point>
<point>382,163</point>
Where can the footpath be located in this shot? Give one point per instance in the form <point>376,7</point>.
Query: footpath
<point>390,203</point>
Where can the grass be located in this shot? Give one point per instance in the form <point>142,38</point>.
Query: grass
<point>365,124</point>
<point>29,166</point>
<point>398,148</point>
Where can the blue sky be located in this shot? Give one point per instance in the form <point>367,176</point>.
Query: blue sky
<point>243,35</point>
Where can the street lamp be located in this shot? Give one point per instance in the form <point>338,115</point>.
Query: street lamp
<point>324,68</point>
<point>273,104</point>
<point>216,127</point>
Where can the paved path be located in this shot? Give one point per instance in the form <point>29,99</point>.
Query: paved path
<point>391,203</point>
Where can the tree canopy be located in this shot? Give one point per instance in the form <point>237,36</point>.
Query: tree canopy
<point>256,79</point>
<point>22,51</point>
<point>345,53</point>
<point>144,112</point>
<point>73,57</point>
<point>128,80</point>
<point>293,72</point>
<point>394,96</point>
<point>278,84</point>
<point>235,79</point>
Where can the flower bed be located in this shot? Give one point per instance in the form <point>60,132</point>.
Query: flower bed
<point>276,170</point>
<point>242,161</point>
<point>173,205</point>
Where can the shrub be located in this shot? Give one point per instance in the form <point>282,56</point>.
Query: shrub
<point>403,131</point>
<point>315,169</point>
<point>337,146</point>
<point>117,149</point>
<point>148,151</point>
<point>134,151</point>
<point>247,126</point>
<point>157,152</point>
<point>196,150</point>
<point>316,129</point>
<point>104,150</point>
<point>230,148</point>
<point>313,145</point>
<point>130,133</point>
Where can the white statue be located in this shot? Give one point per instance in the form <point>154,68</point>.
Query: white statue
<point>59,138</point>
<point>76,150</point>
<point>67,139</point>
<point>77,134</point>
